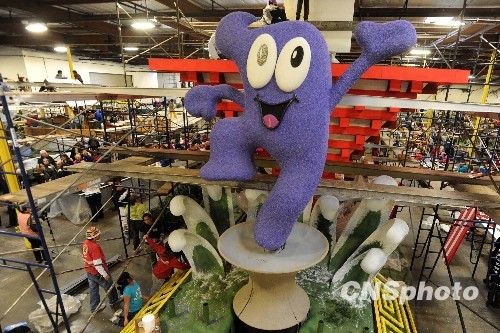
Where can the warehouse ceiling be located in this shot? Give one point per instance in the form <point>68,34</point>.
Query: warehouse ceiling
<point>90,28</point>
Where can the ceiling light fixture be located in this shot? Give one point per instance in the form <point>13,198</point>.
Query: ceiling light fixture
<point>131,48</point>
<point>36,27</point>
<point>143,25</point>
<point>420,52</point>
<point>448,21</point>
<point>60,49</point>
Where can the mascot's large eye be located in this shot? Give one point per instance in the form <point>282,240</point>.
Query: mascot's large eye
<point>261,61</point>
<point>293,64</point>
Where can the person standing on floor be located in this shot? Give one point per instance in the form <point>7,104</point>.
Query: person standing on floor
<point>93,197</point>
<point>154,232</point>
<point>299,9</point>
<point>121,196</point>
<point>28,227</point>
<point>136,211</point>
<point>97,270</point>
<point>165,265</point>
<point>132,299</point>
<point>171,109</point>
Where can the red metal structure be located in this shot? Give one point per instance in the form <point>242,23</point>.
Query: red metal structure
<point>350,127</point>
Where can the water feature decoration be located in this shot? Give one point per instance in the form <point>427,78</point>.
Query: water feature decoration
<point>322,285</point>
<point>197,219</point>
<point>218,202</point>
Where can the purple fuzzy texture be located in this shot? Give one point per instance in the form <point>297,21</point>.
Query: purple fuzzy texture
<point>300,142</point>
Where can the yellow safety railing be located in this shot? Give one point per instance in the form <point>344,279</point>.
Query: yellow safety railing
<point>158,300</point>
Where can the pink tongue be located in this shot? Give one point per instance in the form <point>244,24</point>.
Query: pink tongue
<point>270,121</point>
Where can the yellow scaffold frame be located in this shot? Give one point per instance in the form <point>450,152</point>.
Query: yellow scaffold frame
<point>158,300</point>
<point>391,315</point>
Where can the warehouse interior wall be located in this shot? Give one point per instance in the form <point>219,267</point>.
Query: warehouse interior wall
<point>38,66</point>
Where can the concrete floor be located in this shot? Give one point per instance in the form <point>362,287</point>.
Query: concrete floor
<point>14,282</point>
<point>435,316</point>
<point>430,316</point>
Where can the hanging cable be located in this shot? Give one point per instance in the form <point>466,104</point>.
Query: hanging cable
<point>115,261</point>
<point>78,233</point>
<point>51,247</point>
<point>129,260</point>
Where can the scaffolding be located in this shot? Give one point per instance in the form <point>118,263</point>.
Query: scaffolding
<point>138,126</point>
<point>27,265</point>
<point>153,110</point>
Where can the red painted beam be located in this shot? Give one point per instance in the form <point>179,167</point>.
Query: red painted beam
<point>441,76</point>
<point>428,75</point>
<point>354,130</point>
<point>192,65</point>
<point>229,106</point>
<point>336,158</point>
<point>341,144</point>
<point>363,114</point>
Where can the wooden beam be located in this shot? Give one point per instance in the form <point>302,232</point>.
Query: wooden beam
<point>86,93</point>
<point>204,16</point>
<point>425,12</point>
<point>493,212</point>
<point>72,2</point>
<point>46,191</point>
<point>330,167</point>
<point>341,189</point>
<point>49,189</point>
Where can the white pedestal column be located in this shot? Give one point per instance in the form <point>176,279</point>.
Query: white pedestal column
<point>272,300</point>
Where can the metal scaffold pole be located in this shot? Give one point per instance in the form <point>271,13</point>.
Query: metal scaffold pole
<point>59,311</point>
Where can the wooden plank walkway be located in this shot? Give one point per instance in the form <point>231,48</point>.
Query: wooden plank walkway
<point>53,187</point>
<point>331,167</point>
<point>343,190</point>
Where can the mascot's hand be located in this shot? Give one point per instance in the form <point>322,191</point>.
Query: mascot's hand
<point>201,101</point>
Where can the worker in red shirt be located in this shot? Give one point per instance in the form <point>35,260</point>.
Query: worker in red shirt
<point>165,265</point>
<point>97,270</point>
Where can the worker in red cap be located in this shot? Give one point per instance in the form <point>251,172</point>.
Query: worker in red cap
<point>97,270</point>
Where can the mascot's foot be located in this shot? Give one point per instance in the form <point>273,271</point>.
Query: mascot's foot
<point>234,169</point>
<point>271,236</point>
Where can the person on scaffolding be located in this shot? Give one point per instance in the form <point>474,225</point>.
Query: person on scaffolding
<point>299,9</point>
<point>273,13</point>
<point>28,227</point>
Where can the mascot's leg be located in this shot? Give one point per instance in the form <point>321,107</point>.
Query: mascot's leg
<point>231,152</point>
<point>291,193</point>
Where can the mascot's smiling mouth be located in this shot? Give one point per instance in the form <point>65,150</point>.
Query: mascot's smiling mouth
<point>272,114</point>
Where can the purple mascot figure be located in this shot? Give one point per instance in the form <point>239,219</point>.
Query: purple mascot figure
<point>288,98</point>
